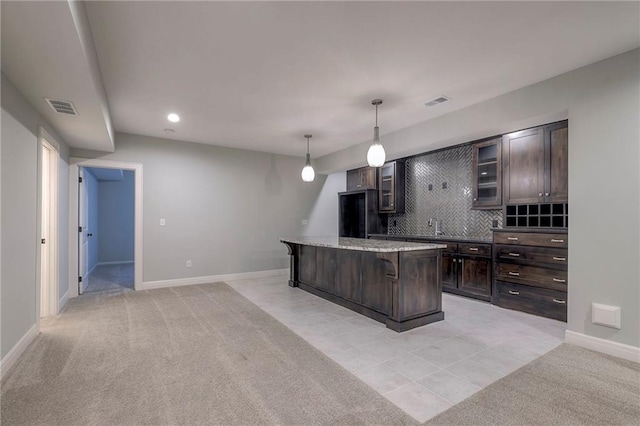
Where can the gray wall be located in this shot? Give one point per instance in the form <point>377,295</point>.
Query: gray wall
<point>224,208</point>
<point>116,219</point>
<point>20,228</point>
<point>323,219</point>
<point>451,206</point>
<point>602,103</point>
<point>94,217</point>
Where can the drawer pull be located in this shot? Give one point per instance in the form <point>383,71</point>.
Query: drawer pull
<point>516,274</point>
<point>560,301</point>
<point>514,292</point>
<point>473,249</point>
<point>514,254</point>
<point>558,280</point>
<point>553,240</point>
<point>512,238</point>
<point>559,259</point>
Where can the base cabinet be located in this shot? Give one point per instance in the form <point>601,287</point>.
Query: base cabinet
<point>531,272</point>
<point>466,269</point>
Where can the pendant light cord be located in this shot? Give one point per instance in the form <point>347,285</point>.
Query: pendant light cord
<point>376,115</point>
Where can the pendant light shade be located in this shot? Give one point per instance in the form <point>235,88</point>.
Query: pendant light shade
<point>376,155</point>
<point>308,174</point>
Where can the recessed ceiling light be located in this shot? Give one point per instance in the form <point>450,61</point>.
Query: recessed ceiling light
<point>174,118</point>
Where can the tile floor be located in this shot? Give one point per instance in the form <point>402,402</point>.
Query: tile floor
<point>423,371</point>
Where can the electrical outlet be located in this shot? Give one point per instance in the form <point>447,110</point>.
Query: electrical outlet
<point>305,222</point>
<point>162,222</point>
<point>188,264</point>
<point>494,223</point>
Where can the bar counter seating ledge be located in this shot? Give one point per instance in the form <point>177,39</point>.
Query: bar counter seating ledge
<point>394,282</point>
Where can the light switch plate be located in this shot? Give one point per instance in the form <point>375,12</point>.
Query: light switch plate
<point>162,222</point>
<point>305,222</point>
<point>606,315</point>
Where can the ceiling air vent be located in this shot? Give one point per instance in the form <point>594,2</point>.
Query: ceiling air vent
<point>63,107</point>
<point>437,101</point>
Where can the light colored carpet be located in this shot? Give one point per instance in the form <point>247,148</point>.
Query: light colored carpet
<point>186,355</point>
<point>567,386</point>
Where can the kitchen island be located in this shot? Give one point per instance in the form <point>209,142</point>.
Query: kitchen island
<point>394,282</point>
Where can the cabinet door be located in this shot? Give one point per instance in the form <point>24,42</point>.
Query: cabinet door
<point>449,271</point>
<point>523,166</point>
<point>368,178</point>
<point>487,174</point>
<point>387,187</point>
<point>376,286</point>
<point>557,160</point>
<point>349,264</point>
<point>325,269</point>
<point>353,180</point>
<point>475,276</point>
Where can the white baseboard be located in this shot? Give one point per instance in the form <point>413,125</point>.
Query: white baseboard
<point>148,285</point>
<point>10,358</point>
<point>119,262</point>
<point>620,350</point>
<point>63,300</point>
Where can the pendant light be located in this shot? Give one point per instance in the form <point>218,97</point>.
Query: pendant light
<point>376,155</point>
<point>308,174</point>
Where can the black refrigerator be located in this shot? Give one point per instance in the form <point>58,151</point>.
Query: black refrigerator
<point>359,216</point>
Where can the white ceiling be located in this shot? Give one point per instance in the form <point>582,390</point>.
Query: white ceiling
<point>259,75</point>
<point>45,56</point>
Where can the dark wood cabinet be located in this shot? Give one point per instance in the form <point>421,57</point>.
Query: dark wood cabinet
<point>475,276</point>
<point>465,268</point>
<point>487,174</point>
<point>449,271</point>
<point>557,159</point>
<point>535,164</point>
<point>399,288</point>
<point>362,178</point>
<point>531,272</point>
<point>391,187</point>
<point>359,215</point>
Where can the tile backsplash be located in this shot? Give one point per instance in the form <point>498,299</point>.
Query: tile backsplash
<point>450,175</point>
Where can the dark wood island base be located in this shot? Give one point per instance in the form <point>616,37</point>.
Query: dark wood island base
<point>396,283</point>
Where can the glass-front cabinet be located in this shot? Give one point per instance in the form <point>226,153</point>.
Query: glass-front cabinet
<point>487,174</point>
<point>391,187</point>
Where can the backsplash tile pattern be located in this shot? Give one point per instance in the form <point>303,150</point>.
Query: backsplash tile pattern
<point>450,206</point>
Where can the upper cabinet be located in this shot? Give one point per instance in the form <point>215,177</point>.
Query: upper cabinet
<point>535,165</point>
<point>487,174</point>
<point>391,187</point>
<point>363,178</point>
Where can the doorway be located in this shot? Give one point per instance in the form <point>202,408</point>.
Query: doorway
<point>86,233</point>
<point>48,229</point>
<point>106,224</point>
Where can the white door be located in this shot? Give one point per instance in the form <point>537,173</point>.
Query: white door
<point>49,236</point>
<point>83,234</point>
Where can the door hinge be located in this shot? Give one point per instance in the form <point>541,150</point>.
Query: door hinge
<point>43,241</point>
<point>79,228</point>
<point>79,279</point>
<point>80,179</point>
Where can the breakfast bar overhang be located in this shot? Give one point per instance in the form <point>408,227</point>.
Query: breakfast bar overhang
<point>393,282</point>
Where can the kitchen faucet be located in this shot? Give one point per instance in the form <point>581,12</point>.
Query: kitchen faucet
<point>437,231</point>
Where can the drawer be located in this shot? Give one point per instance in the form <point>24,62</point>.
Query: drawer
<point>475,249</point>
<point>556,258</point>
<point>531,239</point>
<point>532,275</point>
<point>451,247</point>
<point>533,300</point>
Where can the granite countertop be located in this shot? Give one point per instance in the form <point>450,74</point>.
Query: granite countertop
<point>361,244</point>
<point>439,237</point>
